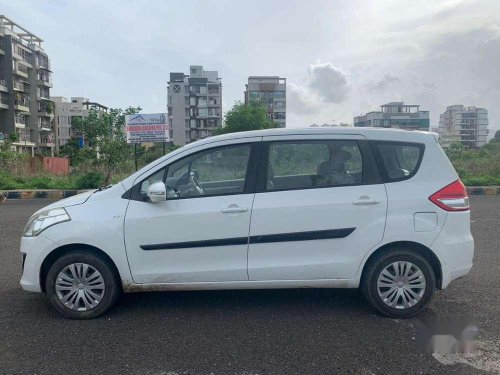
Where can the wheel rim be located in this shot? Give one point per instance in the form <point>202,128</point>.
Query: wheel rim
<point>401,285</point>
<point>80,287</point>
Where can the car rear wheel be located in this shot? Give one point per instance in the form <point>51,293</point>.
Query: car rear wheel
<point>399,283</point>
<point>81,285</point>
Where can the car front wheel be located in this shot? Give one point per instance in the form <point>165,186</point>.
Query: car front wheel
<point>399,283</point>
<point>81,285</point>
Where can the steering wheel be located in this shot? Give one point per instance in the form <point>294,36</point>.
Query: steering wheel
<point>196,184</point>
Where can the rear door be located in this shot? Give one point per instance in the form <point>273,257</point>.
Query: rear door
<point>320,207</point>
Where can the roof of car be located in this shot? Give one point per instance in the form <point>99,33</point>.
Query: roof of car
<point>370,133</point>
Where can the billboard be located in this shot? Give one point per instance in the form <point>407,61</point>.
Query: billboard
<point>143,128</point>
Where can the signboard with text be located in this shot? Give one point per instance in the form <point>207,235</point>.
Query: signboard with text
<point>144,128</point>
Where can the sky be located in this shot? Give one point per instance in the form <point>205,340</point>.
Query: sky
<point>340,58</point>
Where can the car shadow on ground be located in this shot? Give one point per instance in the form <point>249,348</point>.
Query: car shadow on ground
<point>242,301</point>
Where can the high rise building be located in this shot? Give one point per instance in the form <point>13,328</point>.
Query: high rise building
<point>25,81</point>
<point>465,125</point>
<point>194,104</point>
<point>270,91</point>
<point>64,112</point>
<point>396,115</point>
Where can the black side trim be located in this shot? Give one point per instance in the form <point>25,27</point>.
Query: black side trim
<point>303,236</point>
<point>267,238</point>
<point>204,243</point>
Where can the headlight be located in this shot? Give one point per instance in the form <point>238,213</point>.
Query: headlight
<point>41,221</point>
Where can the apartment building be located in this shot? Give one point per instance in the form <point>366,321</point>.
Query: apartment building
<point>270,91</point>
<point>194,104</point>
<point>64,111</point>
<point>465,125</point>
<point>25,81</point>
<point>395,115</point>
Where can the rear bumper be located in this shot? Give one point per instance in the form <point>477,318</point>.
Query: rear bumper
<point>455,247</point>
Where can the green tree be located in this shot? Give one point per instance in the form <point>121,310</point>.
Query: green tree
<point>496,138</point>
<point>105,134</point>
<point>244,117</point>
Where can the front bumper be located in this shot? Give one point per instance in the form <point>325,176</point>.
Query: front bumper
<point>34,250</point>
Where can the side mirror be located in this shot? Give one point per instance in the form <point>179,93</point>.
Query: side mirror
<point>157,192</point>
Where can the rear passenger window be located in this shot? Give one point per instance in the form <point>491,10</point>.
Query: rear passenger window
<point>400,160</point>
<point>312,164</point>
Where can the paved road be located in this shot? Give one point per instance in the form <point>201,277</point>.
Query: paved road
<point>243,332</point>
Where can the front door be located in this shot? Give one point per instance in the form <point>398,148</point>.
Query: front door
<point>320,209</point>
<point>200,233</point>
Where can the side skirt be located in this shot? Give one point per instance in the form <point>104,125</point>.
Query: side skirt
<point>273,284</point>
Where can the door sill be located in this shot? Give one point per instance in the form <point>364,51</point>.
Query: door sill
<point>226,285</point>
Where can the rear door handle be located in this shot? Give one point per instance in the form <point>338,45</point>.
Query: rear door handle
<point>233,209</point>
<point>365,201</point>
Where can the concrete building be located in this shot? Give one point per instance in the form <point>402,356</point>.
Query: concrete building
<point>64,112</point>
<point>466,125</point>
<point>396,115</point>
<point>194,104</point>
<point>271,92</point>
<point>25,82</point>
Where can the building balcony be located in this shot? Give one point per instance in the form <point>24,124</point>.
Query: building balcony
<point>20,123</point>
<point>21,86</point>
<point>22,106</point>
<point>25,63</point>
<point>44,113</point>
<point>20,72</point>
<point>43,82</point>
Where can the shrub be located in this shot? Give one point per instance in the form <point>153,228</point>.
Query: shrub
<point>89,180</point>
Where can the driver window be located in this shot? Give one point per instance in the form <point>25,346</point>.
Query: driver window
<point>217,171</point>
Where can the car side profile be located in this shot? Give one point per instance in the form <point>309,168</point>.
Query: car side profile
<point>378,209</point>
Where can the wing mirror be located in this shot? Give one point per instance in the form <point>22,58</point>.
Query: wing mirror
<point>157,192</point>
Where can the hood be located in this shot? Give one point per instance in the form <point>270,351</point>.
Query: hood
<point>71,201</point>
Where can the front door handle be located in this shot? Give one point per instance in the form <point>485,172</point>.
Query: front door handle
<point>364,201</point>
<point>233,209</point>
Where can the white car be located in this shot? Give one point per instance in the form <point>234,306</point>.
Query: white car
<point>378,209</point>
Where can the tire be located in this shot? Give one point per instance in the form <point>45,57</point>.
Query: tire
<point>407,303</point>
<point>94,293</point>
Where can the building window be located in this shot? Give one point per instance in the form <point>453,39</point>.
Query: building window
<point>279,94</point>
<point>192,100</point>
<point>254,96</point>
<point>213,89</point>
<point>279,105</point>
<point>202,101</point>
<point>202,112</point>
<point>280,115</point>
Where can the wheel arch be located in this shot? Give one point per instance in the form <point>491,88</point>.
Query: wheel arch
<point>416,247</point>
<point>65,249</point>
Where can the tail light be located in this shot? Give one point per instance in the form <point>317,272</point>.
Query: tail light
<point>452,197</point>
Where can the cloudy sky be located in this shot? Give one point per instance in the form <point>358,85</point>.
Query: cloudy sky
<point>340,58</point>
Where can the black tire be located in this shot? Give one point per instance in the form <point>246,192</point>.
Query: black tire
<point>111,281</point>
<point>375,267</point>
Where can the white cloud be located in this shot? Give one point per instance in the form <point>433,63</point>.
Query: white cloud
<point>386,82</point>
<point>328,82</point>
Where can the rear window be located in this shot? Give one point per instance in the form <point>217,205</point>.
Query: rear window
<point>400,161</point>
